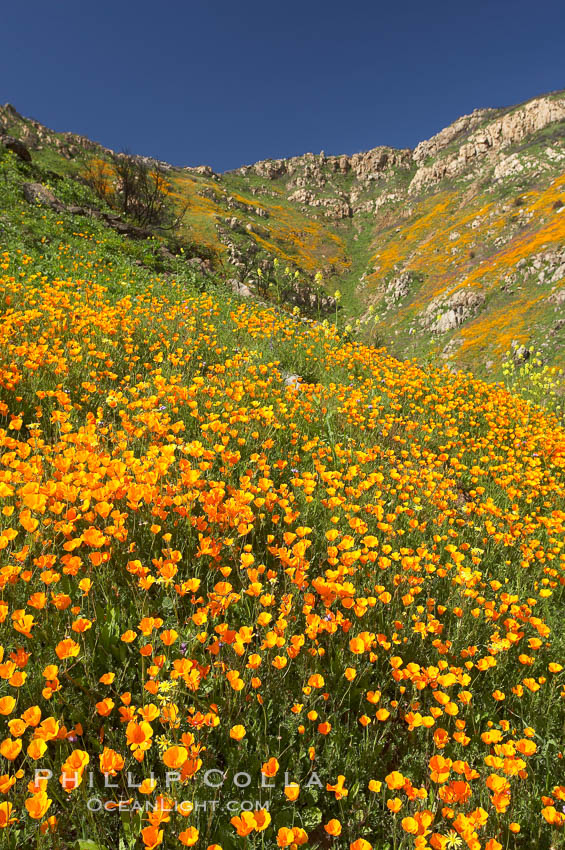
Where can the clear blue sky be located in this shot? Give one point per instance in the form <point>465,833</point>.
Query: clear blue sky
<point>227,83</point>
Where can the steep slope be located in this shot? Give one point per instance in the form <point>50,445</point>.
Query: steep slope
<point>452,250</point>
<point>457,245</point>
<point>319,613</point>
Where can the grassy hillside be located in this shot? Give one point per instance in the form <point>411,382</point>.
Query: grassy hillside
<point>457,247</point>
<point>260,584</point>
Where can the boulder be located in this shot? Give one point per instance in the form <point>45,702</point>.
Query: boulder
<point>166,253</point>
<point>292,381</point>
<point>251,227</point>
<point>239,288</point>
<point>37,193</point>
<point>17,147</point>
<point>520,353</point>
<point>201,265</point>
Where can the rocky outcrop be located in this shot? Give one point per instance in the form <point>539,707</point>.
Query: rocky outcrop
<point>557,297</point>
<point>314,169</point>
<point>459,129</point>
<point>37,193</point>
<point>36,136</point>
<point>334,208</point>
<point>240,256</point>
<point>368,165</point>
<point>16,146</point>
<point>269,168</point>
<point>232,204</point>
<point>234,224</point>
<point>490,137</point>
<point>312,301</point>
<point>206,192</point>
<point>469,140</point>
<point>398,288</point>
<point>508,166</point>
<point>547,267</point>
<point>445,314</point>
<point>202,170</point>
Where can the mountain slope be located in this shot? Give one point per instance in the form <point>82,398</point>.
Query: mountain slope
<point>452,250</point>
<point>233,601</point>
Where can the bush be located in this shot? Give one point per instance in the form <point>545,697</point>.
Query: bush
<point>139,190</point>
<point>535,381</point>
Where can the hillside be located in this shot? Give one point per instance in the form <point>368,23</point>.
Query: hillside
<point>261,584</point>
<point>453,250</point>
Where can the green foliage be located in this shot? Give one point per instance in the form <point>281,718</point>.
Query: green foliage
<point>186,390</point>
<point>535,381</point>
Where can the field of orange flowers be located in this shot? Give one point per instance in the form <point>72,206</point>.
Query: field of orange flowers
<point>241,609</point>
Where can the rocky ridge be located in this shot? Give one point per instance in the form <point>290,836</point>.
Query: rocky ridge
<point>487,140</point>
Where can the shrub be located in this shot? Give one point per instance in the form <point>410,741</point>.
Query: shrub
<point>139,190</point>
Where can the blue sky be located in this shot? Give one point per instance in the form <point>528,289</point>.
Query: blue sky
<point>227,83</point>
